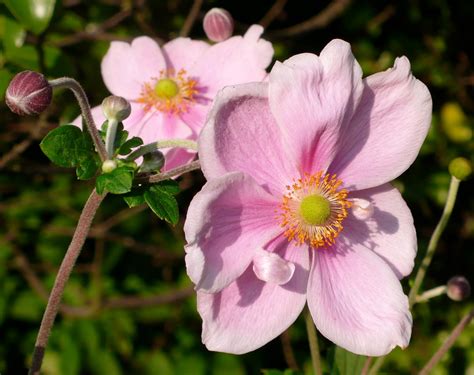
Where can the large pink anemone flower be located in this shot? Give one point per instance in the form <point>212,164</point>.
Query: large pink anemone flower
<point>298,207</point>
<point>172,88</point>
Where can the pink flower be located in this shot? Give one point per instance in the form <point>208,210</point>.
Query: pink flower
<point>172,88</point>
<point>298,207</point>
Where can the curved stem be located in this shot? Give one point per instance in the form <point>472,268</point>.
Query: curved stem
<point>432,293</point>
<point>81,97</point>
<point>170,174</point>
<point>313,343</point>
<point>165,143</point>
<point>432,245</point>
<point>78,239</point>
<point>110,138</point>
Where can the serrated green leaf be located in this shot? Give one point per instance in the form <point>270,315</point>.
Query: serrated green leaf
<point>162,203</point>
<point>169,186</point>
<point>61,145</point>
<point>135,197</point>
<point>34,14</point>
<point>119,181</point>
<point>127,146</point>
<point>347,363</point>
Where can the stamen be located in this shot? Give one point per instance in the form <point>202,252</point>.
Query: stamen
<point>313,210</point>
<point>170,93</point>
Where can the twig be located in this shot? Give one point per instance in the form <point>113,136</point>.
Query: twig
<point>288,350</point>
<point>432,293</point>
<point>448,343</point>
<point>367,364</point>
<point>78,239</point>
<point>313,343</point>
<point>272,13</point>
<point>320,20</point>
<point>191,18</point>
<point>170,174</point>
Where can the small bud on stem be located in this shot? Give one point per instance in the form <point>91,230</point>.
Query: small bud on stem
<point>458,288</point>
<point>218,24</point>
<point>460,168</point>
<point>116,108</point>
<point>29,93</point>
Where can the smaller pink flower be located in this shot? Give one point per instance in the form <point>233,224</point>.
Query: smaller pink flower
<point>298,208</point>
<point>172,88</point>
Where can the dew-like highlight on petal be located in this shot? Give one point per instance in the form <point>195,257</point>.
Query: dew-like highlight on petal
<point>313,209</point>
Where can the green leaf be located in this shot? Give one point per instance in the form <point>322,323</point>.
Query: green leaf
<point>34,14</point>
<point>162,202</point>
<point>347,363</point>
<point>127,146</point>
<point>169,186</point>
<point>5,78</point>
<point>135,197</point>
<point>61,145</point>
<point>119,181</point>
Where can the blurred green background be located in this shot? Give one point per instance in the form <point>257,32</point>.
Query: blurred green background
<point>129,307</point>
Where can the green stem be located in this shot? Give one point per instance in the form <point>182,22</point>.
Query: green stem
<point>67,265</point>
<point>166,143</point>
<point>313,343</point>
<point>432,245</point>
<point>425,263</point>
<point>432,293</point>
<point>110,137</point>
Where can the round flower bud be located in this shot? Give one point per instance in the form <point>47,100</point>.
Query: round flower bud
<point>29,93</point>
<point>108,166</point>
<point>116,108</point>
<point>458,288</point>
<point>152,162</point>
<point>218,24</point>
<point>460,168</point>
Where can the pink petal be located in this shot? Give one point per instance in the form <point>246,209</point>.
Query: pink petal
<point>312,98</point>
<point>227,222</point>
<point>126,67</point>
<point>389,232</point>
<point>272,268</point>
<point>182,53</point>
<point>388,129</point>
<point>356,300</point>
<point>241,135</point>
<point>236,60</point>
<point>195,117</point>
<point>249,312</point>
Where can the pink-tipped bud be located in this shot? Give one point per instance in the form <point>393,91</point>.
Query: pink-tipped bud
<point>458,288</point>
<point>29,93</point>
<point>218,24</point>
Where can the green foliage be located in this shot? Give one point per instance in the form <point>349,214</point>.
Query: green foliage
<point>119,181</point>
<point>160,198</point>
<point>35,15</point>
<point>67,146</point>
<point>347,363</point>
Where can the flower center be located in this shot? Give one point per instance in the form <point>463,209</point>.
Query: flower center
<point>171,92</point>
<point>313,209</point>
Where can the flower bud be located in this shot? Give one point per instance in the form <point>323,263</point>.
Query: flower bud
<point>108,166</point>
<point>458,288</point>
<point>152,162</point>
<point>218,24</point>
<point>362,209</point>
<point>116,108</point>
<point>29,93</point>
<point>460,168</point>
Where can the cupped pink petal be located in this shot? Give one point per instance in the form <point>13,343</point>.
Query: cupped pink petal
<point>236,60</point>
<point>126,67</point>
<point>241,135</point>
<point>250,312</point>
<point>313,99</point>
<point>182,53</point>
<point>356,300</point>
<point>389,232</point>
<point>227,222</point>
<point>387,130</point>
<point>272,268</point>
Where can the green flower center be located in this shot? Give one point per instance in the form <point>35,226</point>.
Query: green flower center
<point>315,209</point>
<point>166,88</point>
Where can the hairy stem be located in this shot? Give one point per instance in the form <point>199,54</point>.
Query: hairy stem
<point>178,171</point>
<point>313,343</point>
<point>433,244</point>
<point>432,293</point>
<point>447,343</point>
<point>81,97</point>
<point>54,301</point>
<point>165,143</point>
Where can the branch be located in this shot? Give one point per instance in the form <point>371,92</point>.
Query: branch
<point>191,18</point>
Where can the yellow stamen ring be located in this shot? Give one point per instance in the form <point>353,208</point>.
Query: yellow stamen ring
<point>313,210</point>
<point>170,93</point>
